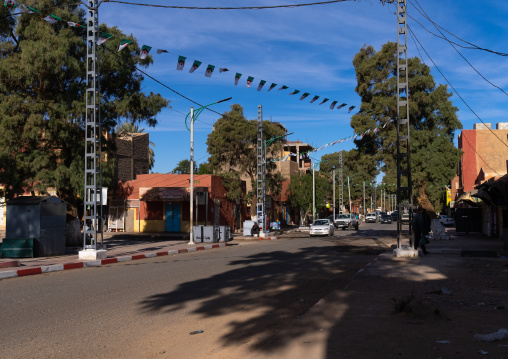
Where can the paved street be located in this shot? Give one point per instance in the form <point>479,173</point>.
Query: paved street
<point>240,296</point>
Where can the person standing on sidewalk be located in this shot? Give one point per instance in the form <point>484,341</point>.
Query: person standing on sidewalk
<point>420,228</point>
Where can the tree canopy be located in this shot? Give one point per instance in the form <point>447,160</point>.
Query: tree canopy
<point>183,167</point>
<point>42,98</point>
<point>232,147</point>
<point>432,117</point>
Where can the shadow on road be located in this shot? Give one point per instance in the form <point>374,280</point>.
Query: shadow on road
<point>268,289</point>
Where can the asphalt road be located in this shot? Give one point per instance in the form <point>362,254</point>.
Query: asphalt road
<point>239,296</point>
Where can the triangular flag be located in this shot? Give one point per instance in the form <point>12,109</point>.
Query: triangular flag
<point>283,87</point>
<point>294,92</point>
<point>314,99</point>
<point>209,70</point>
<point>223,69</point>
<point>304,96</point>
<point>332,105</point>
<point>261,84</point>
<point>195,66</point>
<point>272,86</point>
<point>322,102</point>
<point>249,81</point>
<point>181,63</point>
<point>10,3</point>
<point>160,51</point>
<point>30,10</point>
<point>103,38</point>
<point>52,19</point>
<point>351,109</point>
<point>74,24</point>
<point>123,44</point>
<point>237,77</point>
<point>341,106</point>
<point>144,51</point>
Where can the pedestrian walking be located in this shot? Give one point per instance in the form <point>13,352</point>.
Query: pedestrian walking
<point>421,227</point>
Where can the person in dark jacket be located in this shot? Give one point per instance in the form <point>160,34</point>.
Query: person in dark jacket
<point>421,227</point>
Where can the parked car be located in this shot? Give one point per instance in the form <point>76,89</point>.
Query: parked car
<point>386,218</point>
<point>347,220</point>
<point>370,217</point>
<point>445,220</point>
<point>394,215</point>
<point>405,218</point>
<point>334,220</point>
<point>321,227</point>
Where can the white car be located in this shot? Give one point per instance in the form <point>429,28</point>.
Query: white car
<point>321,227</point>
<point>371,217</point>
<point>445,220</point>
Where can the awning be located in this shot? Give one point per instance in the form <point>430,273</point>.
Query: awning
<point>470,197</point>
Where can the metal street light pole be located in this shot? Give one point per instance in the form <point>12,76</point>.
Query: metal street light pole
<point>333,184</point>
<point>193,118</point>
<point>313,192</point>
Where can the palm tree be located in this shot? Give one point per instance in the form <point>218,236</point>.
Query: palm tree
<point>128,128</point>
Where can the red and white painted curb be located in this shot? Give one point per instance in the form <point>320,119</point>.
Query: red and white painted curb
<point>100,262</point>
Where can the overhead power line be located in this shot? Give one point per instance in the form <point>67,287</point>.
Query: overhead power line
<point>451,44</point>
<point>458,94</point>
<point>228,8</point>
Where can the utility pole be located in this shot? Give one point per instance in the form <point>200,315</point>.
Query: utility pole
<point>349,195</point>
<point>313,192</point>
<point>404,183</point>
<point>364,209</point>
<point>191,241</point>
<point>375,198</point>
<point>92,226</point>
<point>261,174</point>
<point>333,183</point>
<point>341,186</point>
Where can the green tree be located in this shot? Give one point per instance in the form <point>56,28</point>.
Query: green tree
<point>204,169</point>
<point>359,168</point>
<point>300,193</point>
<point>42,98</point>
<point>183,167</point>
<point>128,128</point>
<point>232,148</point>
<point>432,118</point>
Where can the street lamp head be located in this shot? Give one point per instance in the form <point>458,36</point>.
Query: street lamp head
<point>226,99</point>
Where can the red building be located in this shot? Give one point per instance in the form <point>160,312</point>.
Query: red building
<point>161,203</point>
<point>485,157</point>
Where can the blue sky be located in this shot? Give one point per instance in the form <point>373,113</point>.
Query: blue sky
<point>306,48</point>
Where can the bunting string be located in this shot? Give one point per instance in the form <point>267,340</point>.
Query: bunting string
<point>196,64</point>
<point>353,137</point>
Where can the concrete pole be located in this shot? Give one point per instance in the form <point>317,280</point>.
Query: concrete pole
<point>349,195</point>
<point>364,209</point>
<point>333,184</point>
<point>191,241</point>
<point>313,193</point>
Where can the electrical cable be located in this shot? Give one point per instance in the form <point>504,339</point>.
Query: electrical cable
<point>458,94</point>
<point>478,72</point>
<point>160,83</point>
<point>228,8</point>
<point>480,156</point>
<point>473,46</point>
<point>46,8</point>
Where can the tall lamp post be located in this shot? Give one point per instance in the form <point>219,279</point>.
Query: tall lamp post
<point>193,117</point>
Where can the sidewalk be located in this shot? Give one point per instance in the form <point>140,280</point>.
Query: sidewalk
<point>120,247</point>
<point>458,289</point>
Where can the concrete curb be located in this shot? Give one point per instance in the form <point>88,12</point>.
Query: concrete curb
<point>101,262</point>
<point>270,238</point>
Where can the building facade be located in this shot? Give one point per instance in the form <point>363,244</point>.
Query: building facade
<point>161,203</point>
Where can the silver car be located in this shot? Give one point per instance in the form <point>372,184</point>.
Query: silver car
<point>321,227</point>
